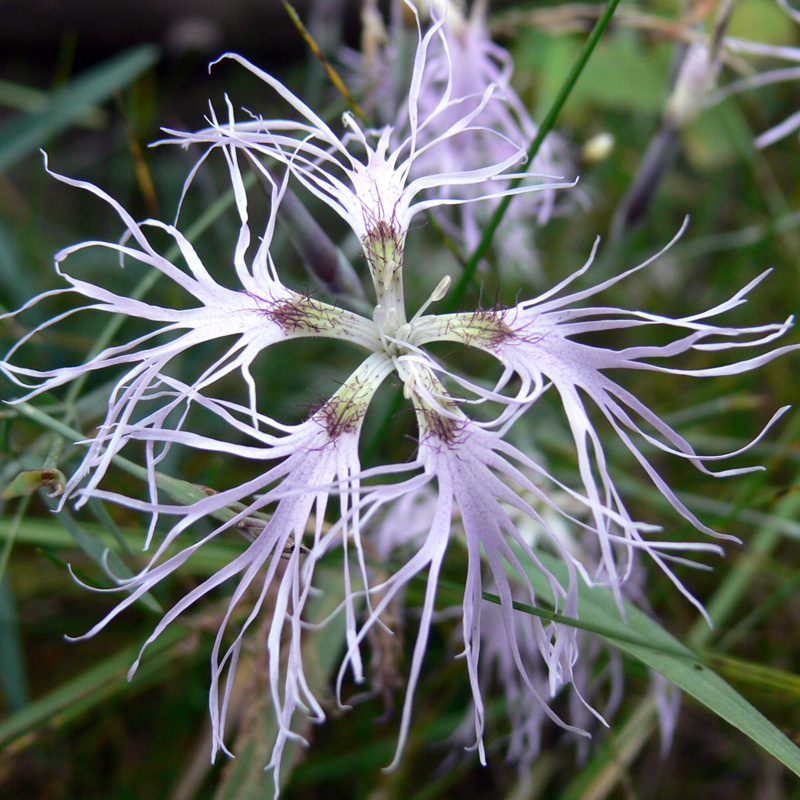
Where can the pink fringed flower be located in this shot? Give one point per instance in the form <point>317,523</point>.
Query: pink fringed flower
<point>480,487</point>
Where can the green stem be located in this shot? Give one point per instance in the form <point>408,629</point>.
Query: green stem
<point>549,121</point>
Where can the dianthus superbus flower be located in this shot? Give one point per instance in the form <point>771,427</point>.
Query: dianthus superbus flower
<point>479,485</point>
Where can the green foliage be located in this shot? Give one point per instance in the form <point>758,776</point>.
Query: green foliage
<point>26,133</point>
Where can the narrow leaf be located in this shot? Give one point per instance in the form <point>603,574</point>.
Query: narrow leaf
<point>676,662</point>
<point>25,133</point>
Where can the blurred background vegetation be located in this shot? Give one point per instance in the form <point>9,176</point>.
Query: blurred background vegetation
<point>72,727</point>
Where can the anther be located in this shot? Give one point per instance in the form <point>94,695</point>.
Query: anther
<point>438,293</point>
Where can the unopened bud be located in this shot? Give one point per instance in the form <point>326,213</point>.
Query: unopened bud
<point>598,148</point>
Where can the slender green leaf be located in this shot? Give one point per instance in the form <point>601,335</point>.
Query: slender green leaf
<point>15,287</point>
<point>31,480</point>
<point>50,533</point>
<point>74,697</point>
<point>667,656</point>
<point>25,133</point>
<point>13,676</point>
<point>108,560</point>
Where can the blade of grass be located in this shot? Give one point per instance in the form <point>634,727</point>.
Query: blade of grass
<point>26,133</point>
<point>51,534</point>
<point>13,675</point>
<point>676,662</point>
<point>76,696</point>
<point>108,560</point>
<point>602,773</point>
<point>549,121</point>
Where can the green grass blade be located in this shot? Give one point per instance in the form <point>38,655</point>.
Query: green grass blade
<point>75,697</point>
<point>13,676</point>
<point>667,656</point>
<point>50,534</point>
<point>106,558</point>
<point>25,133</point>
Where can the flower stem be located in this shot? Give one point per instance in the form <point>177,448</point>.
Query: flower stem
<point>545,128</point>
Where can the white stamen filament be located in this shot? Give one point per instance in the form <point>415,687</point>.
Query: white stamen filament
<point>438,293</point>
